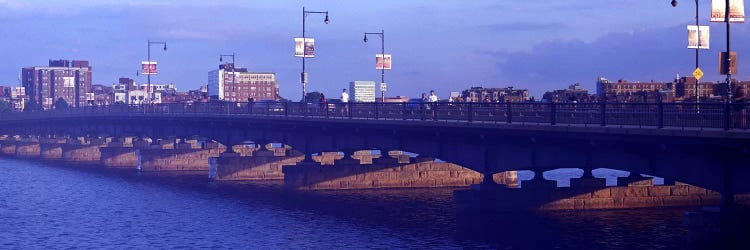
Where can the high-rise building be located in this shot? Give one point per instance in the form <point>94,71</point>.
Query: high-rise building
<point>69,80</point>
<point>238,85</point>
<point>362,91</point>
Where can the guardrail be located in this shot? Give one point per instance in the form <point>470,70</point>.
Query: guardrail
<point>657,115</point>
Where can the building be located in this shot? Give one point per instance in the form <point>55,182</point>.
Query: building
<point>69,80</point>
<point>362,91</point>
<point>478,94</point>
<point>192,96</point>
<point>685,89</point>
<point>574,93</point>
<point>238,85</point>
<point>136,97</point>
<point>103,95</point>
<point>129,92</point>
<point>624,91</point>
<point>15,96</point>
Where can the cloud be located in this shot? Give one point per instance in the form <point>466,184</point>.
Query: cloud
<point>650,54</point>
<point>522,26</point>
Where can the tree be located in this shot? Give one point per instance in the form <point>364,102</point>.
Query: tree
<point>61,104</point>
<point>313,97</point>
<point>31,106</point>
<point>5,107</point>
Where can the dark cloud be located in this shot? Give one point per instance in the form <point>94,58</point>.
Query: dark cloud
<point>653,54</point>
<point>522,26</point>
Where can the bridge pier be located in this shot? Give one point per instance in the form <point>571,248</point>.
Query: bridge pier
<point>121,152</point>
<point>51,148</point>
<point>324,158</point>
<point>584,193</point>
<point>83,150</point>
<point>588,180</point>
<point>382,173</point>
<point>259,165</point>
<point>186,159</point>
<point>8,146</point>
<point>28,147</point>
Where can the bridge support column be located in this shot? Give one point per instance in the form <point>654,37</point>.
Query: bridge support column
<point>121,153</point>
<point>588,180</point>
<point>51,148</point>
<point>8,146</point>
<point>28,147</point>
<point>82,151</point>
<point>398,154</point>
<point>177,159</point>
<point>385,173</point>
<point>325,158</point>
<point>347,159</point>
<point>262,165</point>
<point>734,219</point>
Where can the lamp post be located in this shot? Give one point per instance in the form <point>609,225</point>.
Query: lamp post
<point>303,76</point>
<point>697,24</point>
<point>150,98</point>
<point>382,52</point>
<point>728,57</point>
<point>221,59</point>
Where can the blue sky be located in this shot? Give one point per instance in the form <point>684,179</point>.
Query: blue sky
<point>445,45</point>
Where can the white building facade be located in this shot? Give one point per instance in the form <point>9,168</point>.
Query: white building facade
<point>362,91</point>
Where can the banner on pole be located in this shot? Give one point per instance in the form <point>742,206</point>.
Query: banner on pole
<point>382,61</point>
<point>304,47</point>
<point>698,37</point>
<point>148,68</point>
<point>736,11</point>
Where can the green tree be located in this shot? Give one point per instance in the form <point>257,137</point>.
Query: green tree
<point>313,97</point>
<point>5,107</point>
<point>31,106</point>
<point>61,104</point>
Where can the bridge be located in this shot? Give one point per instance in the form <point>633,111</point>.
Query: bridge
<point>706,145</point>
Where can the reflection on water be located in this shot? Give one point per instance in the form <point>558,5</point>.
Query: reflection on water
<point>45,205</point>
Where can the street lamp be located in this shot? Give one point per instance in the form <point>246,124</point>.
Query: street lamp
<point>382,69</point>
<point>697,24</point>
<point>728,57</point>
<point>303,76</point>
<point>150,98</point>
<point>221,59</point>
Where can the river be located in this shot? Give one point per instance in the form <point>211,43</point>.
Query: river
<point>49,205</point>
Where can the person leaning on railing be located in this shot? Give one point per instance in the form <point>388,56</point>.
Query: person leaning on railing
<point>740,101</point>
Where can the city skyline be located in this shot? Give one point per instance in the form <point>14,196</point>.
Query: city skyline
<point>444,47</point>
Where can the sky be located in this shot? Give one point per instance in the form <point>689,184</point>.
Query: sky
<point>446,45</point>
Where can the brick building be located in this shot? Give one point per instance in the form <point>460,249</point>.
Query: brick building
<point>574,93</point>
<point>238,85</point>
<point>69,80</point>
<point>624,91</point>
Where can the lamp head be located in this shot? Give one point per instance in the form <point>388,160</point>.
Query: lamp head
<point>365,38</point>
<point>327,21</point>
<point>674,3</point>
<point>165,46</point>
<point>221,59</point>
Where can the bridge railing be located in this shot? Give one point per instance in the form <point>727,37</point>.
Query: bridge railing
<point>656,115</point>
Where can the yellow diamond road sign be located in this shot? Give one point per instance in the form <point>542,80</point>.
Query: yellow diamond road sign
<point>698,73</point>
